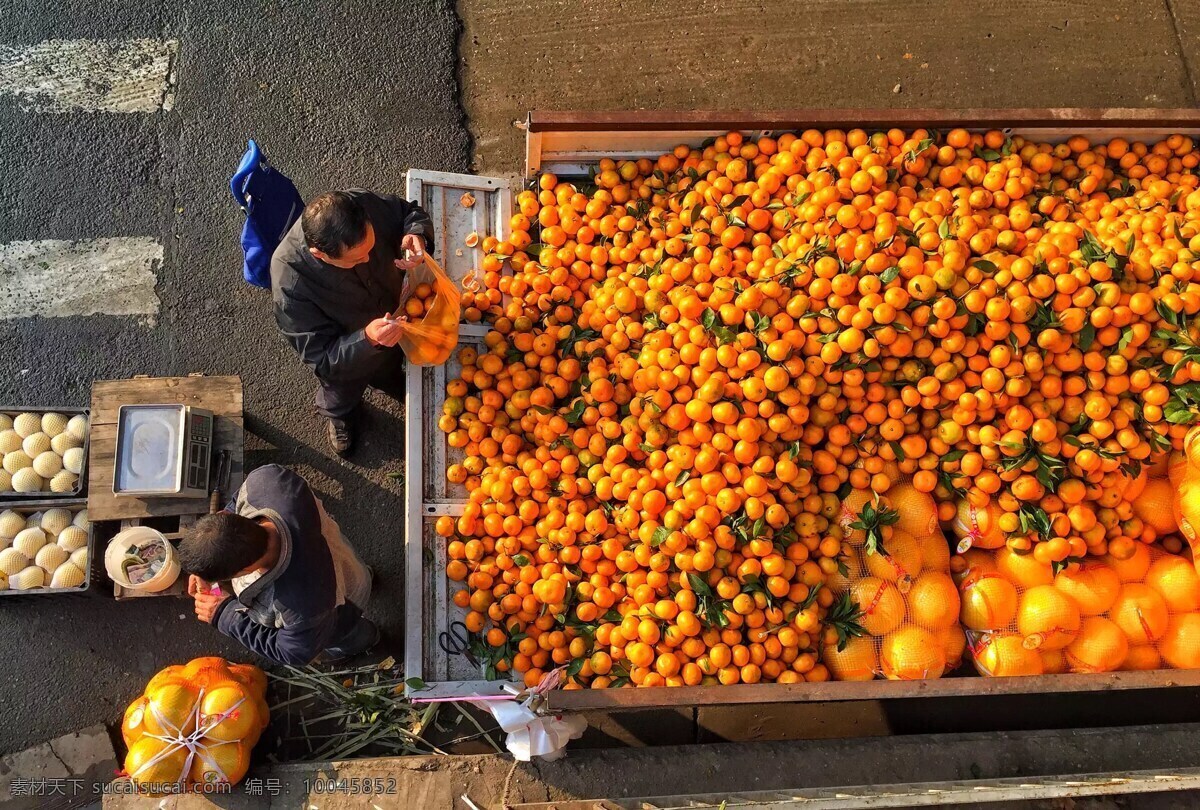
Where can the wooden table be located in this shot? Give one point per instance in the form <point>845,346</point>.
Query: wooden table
<point>221,395</point>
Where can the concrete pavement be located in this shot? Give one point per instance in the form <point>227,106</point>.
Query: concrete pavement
<point>775,54</point>
<point>494,781</point>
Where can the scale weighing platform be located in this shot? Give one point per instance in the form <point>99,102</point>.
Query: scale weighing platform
<point>163,450</point>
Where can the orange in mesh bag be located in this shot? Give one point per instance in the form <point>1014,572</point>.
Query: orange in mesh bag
<point>1184,472</point>
<point>429,314</point>
<point>195,724</point>
<point>1137,607</point>
<point>896,607</point>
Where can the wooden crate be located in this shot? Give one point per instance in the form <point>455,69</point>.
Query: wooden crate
<point>78,491</point>
<point>221,395</point>
<point>92,574</point>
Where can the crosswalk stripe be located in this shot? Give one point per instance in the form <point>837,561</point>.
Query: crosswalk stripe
<point>60,75</point>
<point>54,278</point>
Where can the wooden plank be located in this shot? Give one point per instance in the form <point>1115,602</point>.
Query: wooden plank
<point>576,121</point>
<point>963,792</point>
<point>567,143</point>
<point>221,395</point>
<point>968,686</point>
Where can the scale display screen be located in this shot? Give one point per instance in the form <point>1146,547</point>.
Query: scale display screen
<point>163,450</point>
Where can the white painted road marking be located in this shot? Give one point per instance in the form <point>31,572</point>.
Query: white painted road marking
<point>55,278</point>
<point>60,75</point>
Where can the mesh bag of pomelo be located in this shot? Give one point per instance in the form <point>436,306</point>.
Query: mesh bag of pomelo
<point>1184,475</point>
<point>429,314</point>
<point>195,725</point>
<point>895,613</point>
<point>1137,607</point>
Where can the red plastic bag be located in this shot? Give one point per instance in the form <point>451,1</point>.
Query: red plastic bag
<point>431,308</point>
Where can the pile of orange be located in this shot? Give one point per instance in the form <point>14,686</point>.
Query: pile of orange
<point>693,360</point>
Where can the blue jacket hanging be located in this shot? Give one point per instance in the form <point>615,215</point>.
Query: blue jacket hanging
<point>271,204</point>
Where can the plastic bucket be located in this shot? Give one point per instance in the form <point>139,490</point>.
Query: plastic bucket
<point>133,541</point>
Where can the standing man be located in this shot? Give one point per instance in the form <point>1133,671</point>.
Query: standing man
<point>298,587</point>
<point>336,276</point>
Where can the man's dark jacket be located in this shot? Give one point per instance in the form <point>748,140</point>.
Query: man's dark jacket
<point>322,310</point>
<point>290,614</point>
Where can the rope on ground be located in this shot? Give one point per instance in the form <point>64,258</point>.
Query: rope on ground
<point>508,785</point>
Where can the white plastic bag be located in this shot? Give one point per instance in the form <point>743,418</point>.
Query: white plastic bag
<point>531,735</point>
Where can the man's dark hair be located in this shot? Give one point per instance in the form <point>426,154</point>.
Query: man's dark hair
<point>218,546</point>
<point>332,222</point>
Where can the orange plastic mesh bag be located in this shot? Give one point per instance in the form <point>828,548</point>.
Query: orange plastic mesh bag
<point>896,607</point>
<point>1139,610</point>
<point>429,314</point>
<point>195,725</point>
<point>1184,470</point>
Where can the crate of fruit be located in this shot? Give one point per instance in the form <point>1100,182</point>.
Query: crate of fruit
<point>43,452</point>
<point>736,386</point>
<point>45,548</point>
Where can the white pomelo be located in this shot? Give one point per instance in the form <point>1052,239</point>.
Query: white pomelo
<point>28,578</point>
<point>53,423</point>
<point>50,557</point>
<point>29,541</point>
<point>67,575</point>
<point>64,481</point>
<point>27,424</point>
<point>72,538</point>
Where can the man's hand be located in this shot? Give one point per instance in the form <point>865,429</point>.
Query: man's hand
<point>196,585</point>
<point>206,603</point>
<point>415,245</point>
<point>383,332</point>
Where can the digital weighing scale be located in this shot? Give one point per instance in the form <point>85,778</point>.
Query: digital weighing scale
<point>163,450</point>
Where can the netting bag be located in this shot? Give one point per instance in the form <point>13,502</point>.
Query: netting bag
<point>896,608</point>
<point>195,725</point>
<point>1184,472</point>
<point>1139,609</point>
<point>976,527</point>
<point>430,310</point>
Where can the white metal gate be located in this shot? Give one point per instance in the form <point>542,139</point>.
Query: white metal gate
<point>427,494</point>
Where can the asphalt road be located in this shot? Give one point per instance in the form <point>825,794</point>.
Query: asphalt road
<point>339,94</point>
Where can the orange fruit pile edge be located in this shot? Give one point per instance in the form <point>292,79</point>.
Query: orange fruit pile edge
<point>695,360</point>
